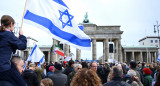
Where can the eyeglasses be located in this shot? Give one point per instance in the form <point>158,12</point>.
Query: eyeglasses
<point>94,66</point>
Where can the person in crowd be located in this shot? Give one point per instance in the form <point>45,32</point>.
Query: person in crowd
<point>133,66</point>
<point>152,70</point>
<point>143,66</point>
<point>46,82</point>
<point>30,77</point>
<point>69,68</point>
<point>117,78</point>
<point>9,43</point>
<point>18,62</point>
<point>84,65</point>
<point>58,78</point>
<point>51,71</point>
<point>148,78</point>
<point>86,77</point>
<point>157,82</point>
<point>103,72</point>
<point>32,66</point>
<point>133,80</point>
<point>109,78</point>
<point>39,71</point>
<point>93,66</point>
<point>77,67</point>
<point>48,65</point>
<point>155,75</point>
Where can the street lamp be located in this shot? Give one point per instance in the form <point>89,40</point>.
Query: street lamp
<point>156,29</point>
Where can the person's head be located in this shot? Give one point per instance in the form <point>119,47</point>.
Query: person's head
<point>71,63</point>
<point>93,66</point>
<point>131,73</point>
<point>46,82</point>
<point>18,62</point>
<point>117,72</point>
<point>32,66</point>
<point>7,22</point>
<point>57,66</point>
<point>132,64</point>
<point>147,71</point>
<point>77,67</point>
<point>143,64</point>
<point>86,77</point>
<point>139,65</point>
<point>84,65</point>
<point>51,68</point>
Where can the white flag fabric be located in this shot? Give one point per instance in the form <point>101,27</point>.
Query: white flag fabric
<point>36,55</point>
<point>54,17</point>
<point>158,59</point>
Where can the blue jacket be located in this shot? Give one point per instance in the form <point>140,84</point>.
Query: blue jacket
<point>8,45</point>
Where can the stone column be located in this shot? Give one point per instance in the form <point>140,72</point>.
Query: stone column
<point>66,50</point>
<point>119,51</point>
<point>49,55</point>
<point>141,57</point>
<point>53,54</point>
<point>133,56</point>
<point>116,49</point>
<point>78,54</point>
<point>104,56</point>
<point>155,57</point>
<point>106,49</point>
<point>125,58</point>
<point>94,50</point>
<point>149,57</point>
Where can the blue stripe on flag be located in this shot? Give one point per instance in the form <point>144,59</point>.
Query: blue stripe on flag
<point>41,60</point>
<point>55,30</point>
<point>60,2</point>
<point>33,50</point>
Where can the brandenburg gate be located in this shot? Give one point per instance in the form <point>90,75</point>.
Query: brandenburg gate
<point>104,34</point>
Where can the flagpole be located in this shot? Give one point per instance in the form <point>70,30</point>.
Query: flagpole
<point>23,14</point>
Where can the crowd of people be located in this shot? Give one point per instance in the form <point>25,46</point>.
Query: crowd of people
<point>71,73</point>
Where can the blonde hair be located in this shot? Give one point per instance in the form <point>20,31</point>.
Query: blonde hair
<point>47,82</point>
<point>86,77</point>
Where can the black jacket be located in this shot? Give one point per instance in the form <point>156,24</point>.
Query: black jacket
<point>116,81</point>
<point>30,77</point>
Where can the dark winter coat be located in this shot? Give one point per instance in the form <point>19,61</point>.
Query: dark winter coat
<point>30,77</point>
<point>8,45</point>
<point>116,81</point>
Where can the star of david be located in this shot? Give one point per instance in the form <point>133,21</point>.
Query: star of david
<point>70,17</point>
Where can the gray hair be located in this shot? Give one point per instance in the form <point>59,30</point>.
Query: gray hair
<point>76,65</point>
<point>117,72</point>
<point>131,73</point>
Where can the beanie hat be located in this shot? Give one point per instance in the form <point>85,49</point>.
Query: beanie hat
<point>147,71</point>
<point>58,66</point>
<point>51,68</point>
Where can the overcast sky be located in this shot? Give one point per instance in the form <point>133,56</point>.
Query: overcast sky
<point>136,18</point>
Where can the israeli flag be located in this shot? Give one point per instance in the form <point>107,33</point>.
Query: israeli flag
<point>36,55</point>
<point>54,17</point>
<point>158,59</point>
